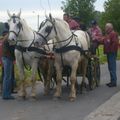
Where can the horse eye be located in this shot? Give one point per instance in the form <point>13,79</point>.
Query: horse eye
<point>19,25</point>
<point>48,29</point>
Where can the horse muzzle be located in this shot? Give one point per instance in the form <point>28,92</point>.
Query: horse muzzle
<point>12,41</point>
<point>37,44</point>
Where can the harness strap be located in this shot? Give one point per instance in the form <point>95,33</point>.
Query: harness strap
<point>68,48</point>
<point>26,66</point>
<point>30,49</point>
<point>62,59</point>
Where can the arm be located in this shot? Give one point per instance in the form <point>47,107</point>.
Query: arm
<point>5,37</point>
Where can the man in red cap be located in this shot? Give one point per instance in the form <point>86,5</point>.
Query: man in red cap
<point>72,23</point>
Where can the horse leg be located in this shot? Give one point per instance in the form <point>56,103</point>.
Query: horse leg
<point>22,89</point>
<point>33,78</point>
<point>19,62</point>
<point>47,80</point>
<point>73,78</point>
<point>59,80</point>
<point>85,61</point>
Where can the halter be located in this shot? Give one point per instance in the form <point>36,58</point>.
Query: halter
<point>48,33</point>
<point>19,25</point>
<point>53,27</point>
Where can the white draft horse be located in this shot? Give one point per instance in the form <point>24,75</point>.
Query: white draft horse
<point>70,49</point>
<point>23,36</point>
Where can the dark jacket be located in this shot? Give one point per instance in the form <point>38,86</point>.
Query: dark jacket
<point>7,50</point>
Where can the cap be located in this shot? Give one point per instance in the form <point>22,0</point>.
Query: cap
<point>93,22</point>
<point>6,29</point>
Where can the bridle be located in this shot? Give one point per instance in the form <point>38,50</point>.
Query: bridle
<point>53,27</point>
<point>20,27</point>
<point>49,29</point>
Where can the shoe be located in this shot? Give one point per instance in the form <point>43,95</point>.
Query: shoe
<point>108,83</point>
<point>9,98</point>
<point>112,85</point>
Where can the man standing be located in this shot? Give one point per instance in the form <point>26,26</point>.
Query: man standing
<point>110,42</point>
<point>95,33</point>
<point>7,60</point>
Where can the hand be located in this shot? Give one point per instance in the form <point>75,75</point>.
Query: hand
<point>101,39</point>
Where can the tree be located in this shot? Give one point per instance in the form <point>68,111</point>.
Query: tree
<point>84,9</point>
<point>112,13</point>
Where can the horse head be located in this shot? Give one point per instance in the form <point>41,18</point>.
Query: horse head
<point>52,28</point>
<point>15,27</point>
<point>47,31</point>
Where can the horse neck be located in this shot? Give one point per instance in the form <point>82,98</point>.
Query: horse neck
<point>26,36</point>
<point>63,35</point>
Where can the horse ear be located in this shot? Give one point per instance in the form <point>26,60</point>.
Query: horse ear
<point>50,16</point>
<point>46,16</point>
<point>19,13</point>
<point>9,13</point>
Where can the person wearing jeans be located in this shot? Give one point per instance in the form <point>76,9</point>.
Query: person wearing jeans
<point>111,59</point>
<point>7,79</point>
<point>110,42</point>
<point>7,61</point>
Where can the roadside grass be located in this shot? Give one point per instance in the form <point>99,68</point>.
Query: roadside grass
<point>102,56</point>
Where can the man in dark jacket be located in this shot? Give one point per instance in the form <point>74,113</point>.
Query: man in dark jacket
<point>7,60</point>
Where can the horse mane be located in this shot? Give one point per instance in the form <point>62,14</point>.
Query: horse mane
<point>25,25</point>
<point>62,21</point>
<point>63,24</point>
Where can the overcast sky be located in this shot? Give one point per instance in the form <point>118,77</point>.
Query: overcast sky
<point>31,8</point>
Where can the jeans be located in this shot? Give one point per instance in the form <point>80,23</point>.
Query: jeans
<point>111,59</point>
<point>7,77</point>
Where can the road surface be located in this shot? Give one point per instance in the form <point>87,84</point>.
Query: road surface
<point>45,108</point>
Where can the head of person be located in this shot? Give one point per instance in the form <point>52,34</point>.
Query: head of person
<point>93,23</point>
<point>6,26</point>
<point>66,17</point>
<point>108,27</point>
<point>6,29</point>
<point>5,32</point>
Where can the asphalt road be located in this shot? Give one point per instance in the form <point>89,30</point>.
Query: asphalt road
<point>45,108</point>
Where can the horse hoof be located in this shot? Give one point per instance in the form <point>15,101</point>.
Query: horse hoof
<point>72,99</point>
<point>56,98</point>
<point>46,94</point>
<point>22,98</point>
<point>33,97</point>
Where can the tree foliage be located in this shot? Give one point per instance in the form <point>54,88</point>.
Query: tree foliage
<point>112,13</point>
<point>84,9</point>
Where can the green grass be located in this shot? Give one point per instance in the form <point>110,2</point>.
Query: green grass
<point>102,56</point>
